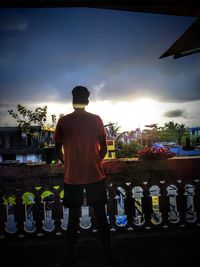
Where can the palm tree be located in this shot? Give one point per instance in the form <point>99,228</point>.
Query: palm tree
<point>175,131</point>
<point>112,131</point>
<point>181,132</point>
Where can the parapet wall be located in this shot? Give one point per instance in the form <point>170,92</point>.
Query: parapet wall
<point>142,195</point>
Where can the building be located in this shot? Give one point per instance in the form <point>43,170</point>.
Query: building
<point>128,137</point>
<point>195,136</point>
<point>17,146</point>
<point>110,149</point>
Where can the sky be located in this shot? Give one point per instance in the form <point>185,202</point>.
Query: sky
<point>46,52</point>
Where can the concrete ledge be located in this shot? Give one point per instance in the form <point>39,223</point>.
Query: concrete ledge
<point>174,248</point>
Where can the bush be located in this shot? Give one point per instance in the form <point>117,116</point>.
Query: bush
<point>127,150</point>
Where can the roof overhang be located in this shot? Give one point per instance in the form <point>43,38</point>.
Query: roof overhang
<point>187,44</point>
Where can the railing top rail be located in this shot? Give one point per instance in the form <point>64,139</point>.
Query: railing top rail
<point>178,167</point>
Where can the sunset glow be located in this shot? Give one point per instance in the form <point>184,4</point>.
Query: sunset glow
<point>130,115</point>
<point>45,53</point>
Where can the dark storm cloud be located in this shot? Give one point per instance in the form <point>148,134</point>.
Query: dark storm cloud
<point>44,53</point>
<point>14,22</point>
<point>176,113</point>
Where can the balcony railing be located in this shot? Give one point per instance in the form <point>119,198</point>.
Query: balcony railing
<point>142,195</point>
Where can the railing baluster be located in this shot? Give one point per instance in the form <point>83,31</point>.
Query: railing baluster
<point>139,217</point>
<point>156,215</point>
<point>65,218</point>
<point>28,201</point>
<point>48,221</point>
<point>85,219</point>
<point>173,214</point>
<point>190,214</point>
<point>10,223</point>
<point>121,218</point>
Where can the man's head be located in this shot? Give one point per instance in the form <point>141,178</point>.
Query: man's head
<point>80,95</point>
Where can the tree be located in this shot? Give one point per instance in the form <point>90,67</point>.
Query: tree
<point>151,134</point>
<point>127,150</point>
<point>112,131</point>
<point>176,132</point>
<point>28,119</point>
<point>170,132</point>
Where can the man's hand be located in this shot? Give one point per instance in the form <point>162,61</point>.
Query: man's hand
<point>59,152</point>
<point>103,147</point>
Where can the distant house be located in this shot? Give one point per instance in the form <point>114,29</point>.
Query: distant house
<point>195,136</point>
<point>194,131</point>
<point>128,137</point>
<point>179,150</point>
<point>17,146</point>
<point>110,149</point>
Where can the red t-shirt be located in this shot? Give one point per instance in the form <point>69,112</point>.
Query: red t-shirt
<point>79,134</point>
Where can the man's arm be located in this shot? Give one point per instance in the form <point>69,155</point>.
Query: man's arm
<point>103,146</point>
<point>59,152</point>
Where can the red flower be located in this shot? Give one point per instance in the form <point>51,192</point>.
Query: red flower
<point>155,153</point>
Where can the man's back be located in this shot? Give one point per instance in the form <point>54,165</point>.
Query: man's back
<point>79,133</point>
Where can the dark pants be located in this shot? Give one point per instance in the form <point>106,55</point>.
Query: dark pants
<point>102,227</point>
<point>96,194</point>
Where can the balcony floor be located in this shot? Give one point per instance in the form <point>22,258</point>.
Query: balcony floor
<point>159,248</point>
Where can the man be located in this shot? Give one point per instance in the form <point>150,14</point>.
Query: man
<point>82,137</point>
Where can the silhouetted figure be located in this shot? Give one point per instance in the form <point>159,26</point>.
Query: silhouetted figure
<point>82,137</point>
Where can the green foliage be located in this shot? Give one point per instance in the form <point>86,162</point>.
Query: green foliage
<point>176,132</point>
<point>53,118</point>
<point>127,150</point>
<point>170,132</point>
<point>112,130</point>
<point>27,119</point>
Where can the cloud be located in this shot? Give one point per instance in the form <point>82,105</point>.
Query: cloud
<point>5,118</point>
<point>116,57</point>
<point>16,25</point>
<point>176,113</point>
<point>12,21</point>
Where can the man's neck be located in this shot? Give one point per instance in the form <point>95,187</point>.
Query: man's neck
<point>79,107</point>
